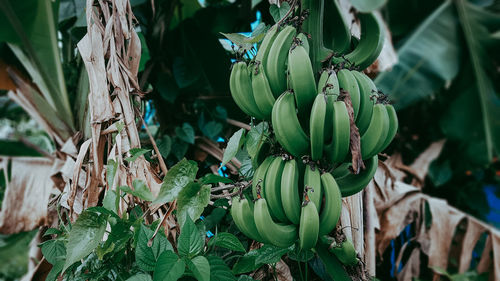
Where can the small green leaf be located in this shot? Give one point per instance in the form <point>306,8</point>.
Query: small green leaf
<point>192,201</point>
<point>440,173</point>
<point>55,271</point>
<point>51,231</point>
<point>164,146</point>
<point>300,255</point>
<point>219,270</point>
<point>169,267</point>
<point>245,278</point>
<point>140,277</point>
<point>53,250</point>
<point>239,40</point>
<point>140,190</point>
<point>175,180</point>
<point>111,168</point>
<point>146,256</point>
<point>226,240</point>
<point>245,264</point>
<point>215,217</point>
<point>212,178</point>
<point>111,201</point>
<point>200,268</point>
<point>136,153</point>
<point>85,236</point>
<point>279,12</point>
<point>181,147</point>
<point>212,129</point>
<point>186,133</point>
<point>256,137</point>
<point>269,254</point>
<point>233,145</point>
<point>190,242</point>
<point>117,240</point>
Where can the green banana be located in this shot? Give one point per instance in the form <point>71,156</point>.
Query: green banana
<point>312,179</point>
<point>351,184</point>
<point>329,85</point>
<point>243,217</point>
<point>393,126</point>
<point>374,137</point>
<point>241,90</point>
<point>337,35</point>
<point>349,84</point>
<point>301,77</point>
<point>287,127</point>
<point>280,235</point>
<point>260,175</point>
<point>345,251</point>
<point>333,204</point>
<point>304,41</point>
<point>266,44</point>
<point>341,170</point>
<point>370,44</point>
<point>262,93</point>
<point>338,149</point>
<point>275,65</point>
<point>367,88</point>
<point>317,126</point>
<point>309,225</point>
<point>272,190</point>
<point>290,198</point>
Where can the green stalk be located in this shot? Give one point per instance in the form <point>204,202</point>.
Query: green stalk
<point>313,25</point>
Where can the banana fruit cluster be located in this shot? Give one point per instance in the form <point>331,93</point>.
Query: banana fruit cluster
<point>293,201</point>
<point>297,189</point>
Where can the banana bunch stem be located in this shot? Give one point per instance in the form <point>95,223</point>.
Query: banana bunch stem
<point>313,25</point>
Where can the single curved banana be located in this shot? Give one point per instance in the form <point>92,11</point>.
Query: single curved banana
<point>272,190</point>
<point>367,89</point>
<point>332,206</point>
<point>370,44</point>
<point>260,175</point>
<point>349,84</point>
<point>393,126</point>
<point>304,41</point>
<point>301,77</point>
<point>329,85</point>
<point>336,32</point>
<point>309,225</point>
<point>275,65</point>
<point>341,170</point>
<point>287,127</point>
<point>266,45</point>
<point>312,180</point>
<point>243,217</point>
<point>374,137</point>
<point>290,198</point>
<point>262,93</point>
<point>345,252</point>
<point>338,149</point>
<point>351,184</point>
<point>241,90</point>
<point>317,126</point>
<point>280,235</point>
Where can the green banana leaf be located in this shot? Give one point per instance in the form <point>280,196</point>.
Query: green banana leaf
<point>475,24</point>
<point>428,59</point>
<point>366,6</point>
<point>36,47</point>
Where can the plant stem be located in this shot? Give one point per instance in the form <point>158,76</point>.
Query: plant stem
<point>313,25</point>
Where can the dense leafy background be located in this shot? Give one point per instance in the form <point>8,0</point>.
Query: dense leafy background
<point>445,86</point>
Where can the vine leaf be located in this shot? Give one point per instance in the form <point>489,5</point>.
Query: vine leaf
<point>175,180</point>
<point>190,242</point>
<point>233,145</point>
<point>85,236</point>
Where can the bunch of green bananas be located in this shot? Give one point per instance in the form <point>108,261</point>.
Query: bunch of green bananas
<point>293,202</point>
<point>298,185</point>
